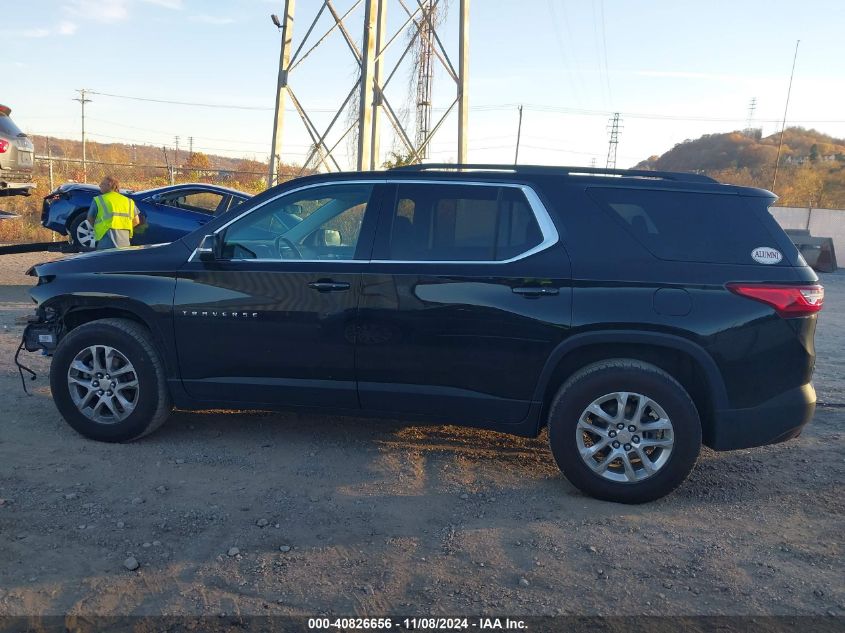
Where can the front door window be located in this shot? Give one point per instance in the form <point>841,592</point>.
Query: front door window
<point>318,223</point>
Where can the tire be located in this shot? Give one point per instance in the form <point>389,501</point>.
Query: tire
<point>76,236</point>
<point>671,453</point>
<point>149,400</point>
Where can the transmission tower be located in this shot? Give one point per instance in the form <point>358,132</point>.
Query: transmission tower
<point>176,143</point>
<point>379,53</point>
<point>614,127</point>
<point>752,105</point>
<point>425,75</point>
<point>190,146</point>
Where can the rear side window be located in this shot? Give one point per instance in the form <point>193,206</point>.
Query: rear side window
<point>8,127</point>
<point>690,227</point>
<point>437,222</point>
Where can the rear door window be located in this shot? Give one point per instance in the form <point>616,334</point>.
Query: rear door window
<point>441,222</point>
<point>198,201</point>
<point>690,227</point>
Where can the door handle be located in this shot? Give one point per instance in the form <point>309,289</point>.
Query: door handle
<point>327,285</point>
<point>535,291</point>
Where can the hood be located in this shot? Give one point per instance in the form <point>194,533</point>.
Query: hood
<point>149,258</point>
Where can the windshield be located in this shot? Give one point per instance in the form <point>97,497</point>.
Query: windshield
<point>8,127</point>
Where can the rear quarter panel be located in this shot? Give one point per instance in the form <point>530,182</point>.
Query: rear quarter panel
<point>615,281</point>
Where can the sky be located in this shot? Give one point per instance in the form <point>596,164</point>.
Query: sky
<point>673,69</point>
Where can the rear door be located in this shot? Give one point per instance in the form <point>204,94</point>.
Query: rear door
<point>462,303</point>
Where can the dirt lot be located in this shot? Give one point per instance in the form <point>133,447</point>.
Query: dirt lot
<point>374,517</point>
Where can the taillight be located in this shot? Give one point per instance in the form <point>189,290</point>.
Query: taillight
<point>4,146</point>
<point>788,301</point>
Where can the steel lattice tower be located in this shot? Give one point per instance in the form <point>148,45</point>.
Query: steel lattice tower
<point>614,141</point>
<point>425,76</point>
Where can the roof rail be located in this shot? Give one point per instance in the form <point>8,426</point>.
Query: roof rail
<point>562,171</point>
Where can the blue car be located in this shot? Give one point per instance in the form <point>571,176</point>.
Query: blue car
<point>167,213</point>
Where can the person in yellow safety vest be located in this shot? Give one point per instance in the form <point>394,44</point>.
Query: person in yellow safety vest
<point>113,216</point>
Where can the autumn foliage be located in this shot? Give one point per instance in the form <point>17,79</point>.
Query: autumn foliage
<point>811,172</point>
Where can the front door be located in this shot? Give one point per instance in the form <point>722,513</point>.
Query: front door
<point>454,322</point>
<point>272,320</point>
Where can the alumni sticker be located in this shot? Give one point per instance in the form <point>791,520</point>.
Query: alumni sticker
<point>766,255</point>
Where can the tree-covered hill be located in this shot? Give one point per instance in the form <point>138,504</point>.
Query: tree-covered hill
<point>812,164</point>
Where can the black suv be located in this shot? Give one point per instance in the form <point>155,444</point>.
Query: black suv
<point>636,314</point>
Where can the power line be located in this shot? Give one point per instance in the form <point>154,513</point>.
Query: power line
<point>183,103</point>
<point>604,52</point>
<point>169,133</point>
<point>222,106</point>
<point>492,107</point>
<point>641,115</point>
<point>562,48</point>
<point>785,108</point>
<point>206,149</point>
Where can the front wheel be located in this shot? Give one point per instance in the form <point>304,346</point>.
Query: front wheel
<point>108,382</point>
<point>81,234</point>
<point>624,430</point>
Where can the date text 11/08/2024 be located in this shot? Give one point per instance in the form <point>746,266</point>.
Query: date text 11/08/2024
<point>418,624</point>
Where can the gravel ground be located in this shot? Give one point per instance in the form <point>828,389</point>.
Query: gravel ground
<point>265,513</point>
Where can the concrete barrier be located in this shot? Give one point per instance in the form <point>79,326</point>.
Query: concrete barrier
<point>820,222</point>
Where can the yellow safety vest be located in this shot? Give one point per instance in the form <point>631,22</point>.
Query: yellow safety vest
<point>114,211</point>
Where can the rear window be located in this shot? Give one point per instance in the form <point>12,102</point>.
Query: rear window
<point>690,227</point>
<point>8,127</point>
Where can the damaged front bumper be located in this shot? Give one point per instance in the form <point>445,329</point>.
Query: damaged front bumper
<point>41,334</point>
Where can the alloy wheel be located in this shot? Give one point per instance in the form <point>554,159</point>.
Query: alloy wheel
<point>85,235</point>
<point>624,437</point>
<point>103,384</point>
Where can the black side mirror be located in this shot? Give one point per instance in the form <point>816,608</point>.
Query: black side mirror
<point>209,248</point>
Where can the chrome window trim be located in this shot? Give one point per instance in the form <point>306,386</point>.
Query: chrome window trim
<point>541,214</point>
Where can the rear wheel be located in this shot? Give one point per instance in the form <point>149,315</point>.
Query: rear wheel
<point>624,430</point>
<point>81,233</point>
<point>108,381</point>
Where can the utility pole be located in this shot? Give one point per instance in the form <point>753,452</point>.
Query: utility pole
<point>190,146</point>
<point>751,107</point>
<point>176,143</point>
<point>169,166</point>
<point>286,27</point>
<point>463,81</point>
<point>365,110</point>
<point>50,163</point>
<point>614,141</point>
<point>785,108</point>
<point>378,78</point>
<point>518,135</point>
<point>83,100</point>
